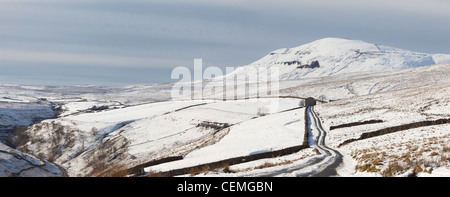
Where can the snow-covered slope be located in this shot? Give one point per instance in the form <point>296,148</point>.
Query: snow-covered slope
<point>331,56</point>
<point>14,163</point>
<point>152,131</point>
<point>102,128</point>
<point>354,85</point>
<point>23,113</point>
<point>425,146</point>
<point>264,134</point>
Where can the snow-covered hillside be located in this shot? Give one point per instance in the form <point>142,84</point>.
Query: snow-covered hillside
<point>23,113</point>
<point>18,164</point>
<point>359,84</point>
<point>154,131</point>
<point>90,130</point>
<point>132,135</point>
<point>331,56</point>
<point>398,153</point>
<point>258,135</point>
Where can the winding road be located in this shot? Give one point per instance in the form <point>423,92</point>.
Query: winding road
<point>322,165</point>
<point>332,159</point>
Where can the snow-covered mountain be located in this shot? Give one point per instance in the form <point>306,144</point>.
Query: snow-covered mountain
<point>331,56</point>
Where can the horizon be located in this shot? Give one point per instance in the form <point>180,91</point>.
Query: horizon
<point>114,43</point>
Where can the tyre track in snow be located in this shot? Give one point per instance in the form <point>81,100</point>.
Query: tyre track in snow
<point>332,158</point>
<point>323,165</point>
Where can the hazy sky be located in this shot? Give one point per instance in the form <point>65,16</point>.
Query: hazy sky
<point>112,42</point>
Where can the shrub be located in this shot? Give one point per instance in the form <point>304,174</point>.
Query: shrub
<point>102,170</point>
<point>200,169</point>
<point>392,169</point>
<point>227,169</point>
<point>154,174</point>
<point>417,169</point>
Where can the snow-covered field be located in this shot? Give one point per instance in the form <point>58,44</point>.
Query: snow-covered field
<point>264,134</point>
<point>164,129</point>
<point>393,108</point>
<point>423,150</point>
<point>399,153</point>
<point>359,84</point>
<point>23,106</point>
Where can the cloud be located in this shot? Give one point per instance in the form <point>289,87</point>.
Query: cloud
<point>85,59</point>
<point>429,7</point>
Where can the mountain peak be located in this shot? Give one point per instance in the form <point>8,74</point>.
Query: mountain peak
<point>330,56</point>
<point>331,40</point>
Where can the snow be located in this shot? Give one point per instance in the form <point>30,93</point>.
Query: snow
<point>340,56</point>
<point>251,106</point>
<point>16,163</point>
<point>437,172</point>
<point>260,167</point>
<point>394,108</point>
<point>108,118</point>
<point>363,81</point>
<point>80,106</point>
<point>23,113</point>
<point>153,136</point>
<point>352,85</point>
<point>441,58</point>
<point>267,133</point>
<point>170,128</point>
<point>416,145</point>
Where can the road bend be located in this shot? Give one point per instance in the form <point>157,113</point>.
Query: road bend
<point>332,159</point>
<point>322,165</point>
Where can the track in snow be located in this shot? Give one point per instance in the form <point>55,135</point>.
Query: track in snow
<point>332,158</point>
<point>323,165</point>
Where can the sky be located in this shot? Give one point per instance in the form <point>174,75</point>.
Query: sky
<point>113,42</point>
